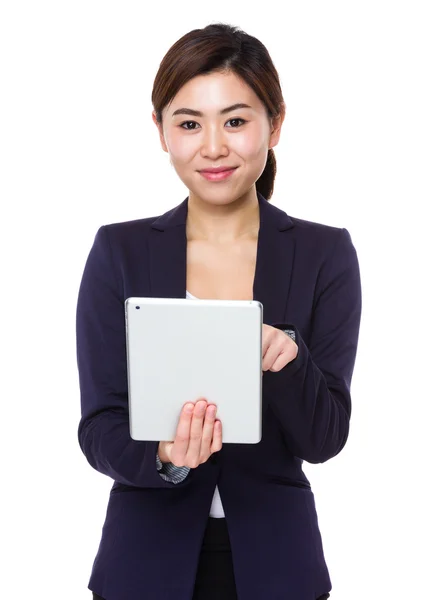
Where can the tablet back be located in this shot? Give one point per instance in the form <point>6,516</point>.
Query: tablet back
<point>182,350</point>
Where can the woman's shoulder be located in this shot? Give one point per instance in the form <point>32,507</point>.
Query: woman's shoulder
<point>128,226</point>
<point>316,238</point>
<point>315,227</point>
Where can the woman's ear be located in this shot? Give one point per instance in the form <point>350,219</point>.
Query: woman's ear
<point>276,127</point>
<point>160,129</point>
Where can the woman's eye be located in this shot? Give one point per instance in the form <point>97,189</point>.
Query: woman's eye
<point>195,123</point>
<point>185,123</point>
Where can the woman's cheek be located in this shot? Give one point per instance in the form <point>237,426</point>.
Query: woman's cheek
<point>182,149</point>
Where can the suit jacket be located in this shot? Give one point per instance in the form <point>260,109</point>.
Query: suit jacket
<point>307,278</point>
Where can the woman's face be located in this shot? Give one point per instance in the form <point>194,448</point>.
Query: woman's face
<point>238,138</point>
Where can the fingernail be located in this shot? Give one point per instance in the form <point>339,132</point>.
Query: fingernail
<point>189,408</point>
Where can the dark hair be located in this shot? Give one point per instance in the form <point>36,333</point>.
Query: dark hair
<point>219,47</point>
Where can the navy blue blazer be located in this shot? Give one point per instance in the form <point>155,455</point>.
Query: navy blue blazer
<point>307,278</point>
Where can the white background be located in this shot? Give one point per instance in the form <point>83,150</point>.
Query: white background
<point>79,149</point>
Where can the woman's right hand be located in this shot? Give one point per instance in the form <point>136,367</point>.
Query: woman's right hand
<point>198,436</point>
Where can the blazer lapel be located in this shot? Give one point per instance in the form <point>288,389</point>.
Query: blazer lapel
<point>275,254</point>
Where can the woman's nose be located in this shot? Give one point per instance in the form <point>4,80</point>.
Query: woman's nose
<point>214,142</point>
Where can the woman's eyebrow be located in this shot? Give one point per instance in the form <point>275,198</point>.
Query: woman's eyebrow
<point>197,113</point>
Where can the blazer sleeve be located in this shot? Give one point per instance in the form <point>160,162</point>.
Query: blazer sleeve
<point>103,432</point>
<point>310,396</point>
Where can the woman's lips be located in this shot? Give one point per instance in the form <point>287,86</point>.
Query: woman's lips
<point>217,176</point>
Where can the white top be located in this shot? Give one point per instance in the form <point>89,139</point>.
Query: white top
<point>216,509</point>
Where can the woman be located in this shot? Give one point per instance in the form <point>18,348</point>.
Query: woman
<point>194,519</point>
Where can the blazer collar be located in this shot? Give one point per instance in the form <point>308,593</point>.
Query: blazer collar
<point>275,254</point>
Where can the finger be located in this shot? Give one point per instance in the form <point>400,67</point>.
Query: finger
<point>277,357</point>
<point>281,361</point>
<point>208,426</point>
<point>183,433</point>
<point>217,441</point>
<point>276,349</point>
<point>193,452</point>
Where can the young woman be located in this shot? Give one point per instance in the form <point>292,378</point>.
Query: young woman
<point>193,519</point>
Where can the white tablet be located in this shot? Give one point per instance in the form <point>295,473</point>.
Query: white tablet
<point>180,350</point>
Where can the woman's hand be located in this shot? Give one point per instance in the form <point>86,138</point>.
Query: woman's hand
<point>198,436</point>
<point>278,349</point>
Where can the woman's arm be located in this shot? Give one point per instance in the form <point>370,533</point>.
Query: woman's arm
<point>103,432</point>
<point>310,396</point>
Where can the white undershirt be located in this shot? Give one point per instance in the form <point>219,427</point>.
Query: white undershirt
<point>216,509</point>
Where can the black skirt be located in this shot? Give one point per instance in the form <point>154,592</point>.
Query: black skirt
<point>215,578</point>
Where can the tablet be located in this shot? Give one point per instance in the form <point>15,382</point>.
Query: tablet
<point>181,350</point>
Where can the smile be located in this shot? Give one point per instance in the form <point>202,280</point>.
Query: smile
<point>217,176</point>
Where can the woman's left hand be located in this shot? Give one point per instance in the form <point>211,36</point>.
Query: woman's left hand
<point>278,349</point>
